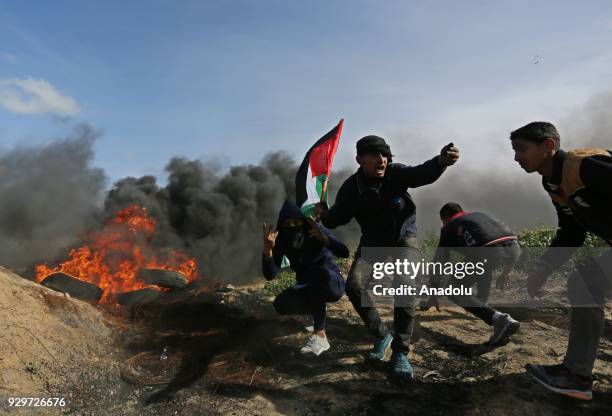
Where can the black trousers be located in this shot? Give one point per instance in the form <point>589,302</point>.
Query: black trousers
<point>587,288</point>
<point>492,257</point>
<point>310,299</point>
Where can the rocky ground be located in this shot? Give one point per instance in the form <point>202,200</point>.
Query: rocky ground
<point>229,354</point>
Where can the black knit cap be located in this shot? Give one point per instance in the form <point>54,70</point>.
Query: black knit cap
<point>373,144</point>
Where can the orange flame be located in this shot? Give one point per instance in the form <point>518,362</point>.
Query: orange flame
<point>112,257</point>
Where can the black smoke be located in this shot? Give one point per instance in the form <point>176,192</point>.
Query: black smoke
<point>215,217</point>
<point>514,198</point>
<point>49,195</point>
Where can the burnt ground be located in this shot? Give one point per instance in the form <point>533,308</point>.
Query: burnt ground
<point>230,354</point>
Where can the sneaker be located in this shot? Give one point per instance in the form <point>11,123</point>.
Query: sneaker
<point>503,328</point>
<point>315,345</point>
<point>400,367</point>
<point>309,328</point>
<point>560,379</point>
<point>380,348</point>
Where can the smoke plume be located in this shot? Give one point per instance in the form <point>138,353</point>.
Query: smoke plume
<point>591,125</point>
<point>48,196</point>
<point>51,195</point>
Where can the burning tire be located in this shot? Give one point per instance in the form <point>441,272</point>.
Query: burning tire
<point>137,296</point>
<point>76,288</point>
<point>163,278</point>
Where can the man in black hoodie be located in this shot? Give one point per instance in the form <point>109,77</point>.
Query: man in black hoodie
<point>310,249</point>
<point>578,183</point>
<point>377,197</point>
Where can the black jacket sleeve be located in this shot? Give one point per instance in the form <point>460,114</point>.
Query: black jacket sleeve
<point>415,176</point>
<point>343,209</point>
<point>337,247</point>
<point>570,234</point>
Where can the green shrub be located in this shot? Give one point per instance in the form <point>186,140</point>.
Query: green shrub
<point>542,236</point>
<point>535,242</point>
<point>285,279</point>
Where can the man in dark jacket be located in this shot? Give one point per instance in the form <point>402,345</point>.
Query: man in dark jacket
<point>376,196</point>
<point>310,249</point>
<point>578,183</point>
<point>482,239</point>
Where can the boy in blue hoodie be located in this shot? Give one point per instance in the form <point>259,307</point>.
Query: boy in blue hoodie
<point>310,249</point>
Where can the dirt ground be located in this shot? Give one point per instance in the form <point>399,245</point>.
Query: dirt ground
<point>230,354</point>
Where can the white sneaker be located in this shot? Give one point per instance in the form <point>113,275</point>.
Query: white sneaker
<point>503,327</point>
<point>309,328</point>
<point>315,345</point>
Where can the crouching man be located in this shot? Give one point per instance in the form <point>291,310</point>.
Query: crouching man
<point>481,239</point>
<point>578,183</point>
<point>310,249</point>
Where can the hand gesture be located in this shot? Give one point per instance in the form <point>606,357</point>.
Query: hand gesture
<point>449,155</point>
<point>315,232</point>
<point>269,239</point>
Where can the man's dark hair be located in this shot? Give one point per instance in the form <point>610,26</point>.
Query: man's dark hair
<point>449,209</point>
<point>537,132</point>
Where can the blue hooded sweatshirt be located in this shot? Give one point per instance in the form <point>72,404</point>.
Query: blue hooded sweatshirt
<point>312,260</point>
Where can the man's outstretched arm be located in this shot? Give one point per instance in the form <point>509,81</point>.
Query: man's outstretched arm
<point>428,172</point>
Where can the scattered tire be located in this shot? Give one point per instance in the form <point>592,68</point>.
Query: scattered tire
<point>163,278</point>
<point>136,297</point>
<point>76,288</point>
<point>148,368</point>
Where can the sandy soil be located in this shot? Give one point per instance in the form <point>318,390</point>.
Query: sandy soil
<point>230,354</point>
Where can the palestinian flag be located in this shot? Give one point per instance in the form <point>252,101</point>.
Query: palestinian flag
<point>313,175</point>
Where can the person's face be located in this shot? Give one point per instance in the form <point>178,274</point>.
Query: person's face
<point>532,156</point>
<point>373,165</point>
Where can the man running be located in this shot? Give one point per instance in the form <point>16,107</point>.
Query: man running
<point>376,196</point>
